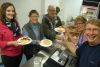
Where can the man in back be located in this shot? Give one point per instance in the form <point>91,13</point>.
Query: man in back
<point>50,21</point>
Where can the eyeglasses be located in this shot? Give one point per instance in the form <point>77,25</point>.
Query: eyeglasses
<point>88,29</point>
<point>78,23</point>
<point>35,16</point>
<point>52,10</point>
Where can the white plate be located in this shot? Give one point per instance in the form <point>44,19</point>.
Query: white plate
<point>59,29</point>
<point>45,42</point>
<point>24,40</point>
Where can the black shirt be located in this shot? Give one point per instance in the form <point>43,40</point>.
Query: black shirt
<point>88,56</point>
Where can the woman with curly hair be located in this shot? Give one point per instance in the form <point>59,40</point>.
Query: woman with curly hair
<point>11,52</point>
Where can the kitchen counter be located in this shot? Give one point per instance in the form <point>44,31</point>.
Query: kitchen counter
<point>59,57</point>
<point>43,54</point>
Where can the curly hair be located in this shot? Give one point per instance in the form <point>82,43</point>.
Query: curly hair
<point>80,18</point>
<point>3,8</point>
<point>94,22</point>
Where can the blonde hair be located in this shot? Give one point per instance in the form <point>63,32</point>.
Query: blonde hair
<point>80,18</point>
<point>94,22</point>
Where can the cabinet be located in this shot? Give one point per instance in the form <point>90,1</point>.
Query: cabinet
<point>90,9</point>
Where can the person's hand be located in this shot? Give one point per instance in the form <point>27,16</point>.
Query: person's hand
<point>60,26</point>
<point>14,43</point>
<point>60,36</point>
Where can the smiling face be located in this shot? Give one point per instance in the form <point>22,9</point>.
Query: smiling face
<point>80,26</point>
<point>92,33</point>
<point>80,22</point>
<point>34,18</point>
<point>7,11</point>
<point>10,12</point>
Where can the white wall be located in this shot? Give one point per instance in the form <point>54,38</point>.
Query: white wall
<point>24,6</point>
<point>2,1</point>
<point>51,2</point>
<point>69,8</point>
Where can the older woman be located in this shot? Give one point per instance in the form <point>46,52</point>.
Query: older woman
<point>11,52</point>
<point>80,23</point>
<point>34,31</point>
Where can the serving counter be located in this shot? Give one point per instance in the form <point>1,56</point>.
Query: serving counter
<point>53,57</point>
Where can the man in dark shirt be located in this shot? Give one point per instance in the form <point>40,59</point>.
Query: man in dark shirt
<point>49,22</point>
<point>88,54</point>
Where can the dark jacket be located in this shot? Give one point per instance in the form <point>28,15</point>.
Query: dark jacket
<point>32,48</point>
<point>30,31</point>
<point>49,26</point>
